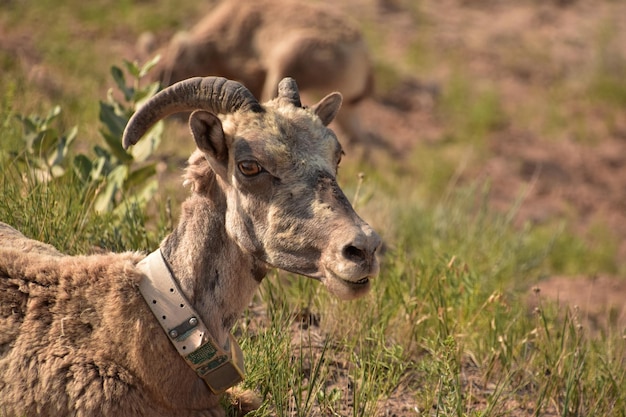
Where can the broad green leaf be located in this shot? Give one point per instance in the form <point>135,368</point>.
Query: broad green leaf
<point>83,168</point>
<point>120,81</point>
<point>46,141</point>
<point>118,175</point>
<point>132,68</point>
<point>52,114</point>
<point>118,108</point>
<point>57,171</point>
<point>116,148</point>
<point>139,176</point>
<point>71,135</point>
<point>101,152</point>
<point>97,170</point>
<point>147,192</point>
<point>114,122</point>
<point>105,201</point>
<point>56,110</point>
<point>149,65</point>
<point>148,144</point>
<point>28,123</point>
<point>108,160</point>
<point>57,156</point>
<point>141,197</point>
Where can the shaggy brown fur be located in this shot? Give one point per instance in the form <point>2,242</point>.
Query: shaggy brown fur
<point>258,42</point>
<point>76,336</point>
<point>14,239</point>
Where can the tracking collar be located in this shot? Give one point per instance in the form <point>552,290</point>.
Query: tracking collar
<point>219,367</point>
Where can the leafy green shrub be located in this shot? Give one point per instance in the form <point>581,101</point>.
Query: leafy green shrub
<point>46,148</point>
<point>113,174</point>
<point>76,201</point>
<point>114,169</point>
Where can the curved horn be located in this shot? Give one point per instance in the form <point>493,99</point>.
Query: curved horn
<point>288,90</point>
<point>215,94</point>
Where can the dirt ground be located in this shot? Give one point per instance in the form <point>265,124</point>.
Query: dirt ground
<point>522,50</point>
<point>528,52</point>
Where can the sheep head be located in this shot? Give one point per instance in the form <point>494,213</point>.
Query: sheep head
<point>276,165</point>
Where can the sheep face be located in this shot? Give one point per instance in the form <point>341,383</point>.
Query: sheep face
<point>278,170</point>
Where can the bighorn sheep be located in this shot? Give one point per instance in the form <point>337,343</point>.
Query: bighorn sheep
<point>259,42</point>
<point>88,335</point>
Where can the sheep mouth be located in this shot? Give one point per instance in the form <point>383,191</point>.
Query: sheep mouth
<point>343,288</point>
<point>347,282</point>
<point>362,281</point>
<point>347,289</point>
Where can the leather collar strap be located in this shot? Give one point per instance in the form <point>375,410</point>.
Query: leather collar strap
<point>220,367</point>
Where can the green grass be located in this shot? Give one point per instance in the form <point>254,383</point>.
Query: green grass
<point>446,323</point>
<point>58,213</point>
<point>447,329</point>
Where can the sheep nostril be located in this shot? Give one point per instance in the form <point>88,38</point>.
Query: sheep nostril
<point>354,254</point>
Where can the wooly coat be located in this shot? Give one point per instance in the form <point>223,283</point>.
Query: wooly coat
<point>77,337</point>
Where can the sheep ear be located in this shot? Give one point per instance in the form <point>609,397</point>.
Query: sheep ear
<point>207,131</point>
<point>328,107</point>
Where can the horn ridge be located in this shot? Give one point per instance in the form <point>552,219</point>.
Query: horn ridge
<point>217,95</point>
<point>288,91</point>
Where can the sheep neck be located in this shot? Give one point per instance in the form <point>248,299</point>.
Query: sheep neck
<point>220,367</point>
<point>213,272</point>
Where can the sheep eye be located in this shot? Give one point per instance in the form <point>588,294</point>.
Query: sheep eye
<point>250,168</point>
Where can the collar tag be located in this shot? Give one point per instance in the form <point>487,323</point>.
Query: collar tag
<point>220,368</point>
